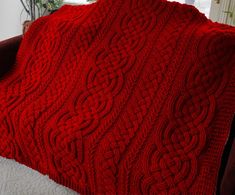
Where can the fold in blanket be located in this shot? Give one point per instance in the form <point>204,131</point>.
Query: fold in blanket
<point>122,97</point>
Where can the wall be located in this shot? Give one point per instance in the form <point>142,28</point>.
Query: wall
<point>11,18</point>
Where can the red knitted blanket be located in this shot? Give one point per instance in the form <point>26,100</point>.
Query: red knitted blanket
<point>122,97</point>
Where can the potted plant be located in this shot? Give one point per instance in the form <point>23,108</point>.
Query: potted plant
<point>38,8</point>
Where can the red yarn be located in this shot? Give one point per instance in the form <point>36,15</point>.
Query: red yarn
<point>122,96</point>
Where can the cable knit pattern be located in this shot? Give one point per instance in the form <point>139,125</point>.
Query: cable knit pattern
<point>122,97</point>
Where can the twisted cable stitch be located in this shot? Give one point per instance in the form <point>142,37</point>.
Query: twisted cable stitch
<point>122,97</point>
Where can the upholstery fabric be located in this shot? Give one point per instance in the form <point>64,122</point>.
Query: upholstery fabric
<point>122,96</point>
<point>227,186</point>
<point>17,179</point>
<point>8,50</point>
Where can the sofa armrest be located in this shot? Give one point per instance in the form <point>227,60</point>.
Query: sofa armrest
<point>227,186</point>
<point>8,51</point>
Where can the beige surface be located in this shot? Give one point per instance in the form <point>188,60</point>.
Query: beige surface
<point>17,179</point>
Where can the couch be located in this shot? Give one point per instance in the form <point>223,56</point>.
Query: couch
<point>226,175</point>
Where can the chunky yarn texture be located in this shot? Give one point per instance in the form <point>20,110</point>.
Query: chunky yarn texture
<point>122,97</point>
